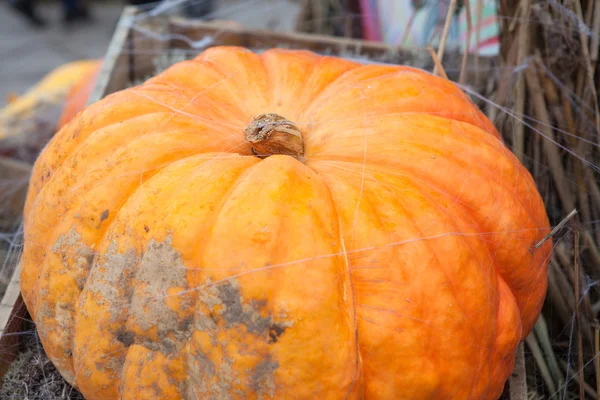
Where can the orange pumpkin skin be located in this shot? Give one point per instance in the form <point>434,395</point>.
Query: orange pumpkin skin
<point>392,259</point>
<point>79,94</point>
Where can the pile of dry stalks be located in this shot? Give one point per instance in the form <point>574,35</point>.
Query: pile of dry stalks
<point>546,104</point>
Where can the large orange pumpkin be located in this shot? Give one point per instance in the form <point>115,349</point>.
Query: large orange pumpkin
<point>283,226</point>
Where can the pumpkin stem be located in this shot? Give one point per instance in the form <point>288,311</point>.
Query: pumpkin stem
<point>272,134</point>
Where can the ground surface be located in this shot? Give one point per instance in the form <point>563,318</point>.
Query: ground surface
<point>28,54</point>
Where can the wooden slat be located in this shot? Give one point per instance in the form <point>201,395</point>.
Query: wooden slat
<point>131,52</point>
<point>9,299</point>
<point>142,48</point>
<point>12,314</point>
<point>234,35</point>
<point>116,56</point>
<point>518,381</point>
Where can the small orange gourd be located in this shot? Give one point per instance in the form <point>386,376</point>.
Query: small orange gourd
<point>283,225</point>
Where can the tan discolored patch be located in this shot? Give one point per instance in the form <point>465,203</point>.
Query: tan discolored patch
<point>70,239</point>
<point>65,271</point>
<point>224,313</point>
<point>65,315</point>
<point>110,275</point>
<point>70,246</point>
<point>220,388</point>
<point>160,298</point>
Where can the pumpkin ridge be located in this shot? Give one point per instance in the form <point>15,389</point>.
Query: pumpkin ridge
<point>433,251</point>
<point>491,271</point>
<point>82,280</point>
<point>214,216</point>
<point>410,172</point>
<point>296,78</point>
<point>490,143</point>
<point>393,70</point>
<point>358,367</point>
<point>78,152</point>
<point>167,78</point>
<point>260,275</point>
<point>180,112</point>
<point>272,134</point>
<point>247,75</point>
<point>129,257</point>
<point>452,219</point>
<point>60,148</point>
<point>117,154</point>
<point>114,100</point>
<point>408,102</point>
<point>463,121</point>
<point>84,144</point>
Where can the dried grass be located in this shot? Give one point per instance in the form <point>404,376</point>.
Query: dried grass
<point>545,46</point>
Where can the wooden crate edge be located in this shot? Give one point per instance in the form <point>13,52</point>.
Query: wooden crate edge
<point>518,379</point>
<point>115,49</point>
<point>12,313</point>
<point>179,26</point>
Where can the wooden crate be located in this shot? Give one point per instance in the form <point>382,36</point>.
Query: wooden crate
<point>131,53</point>
<point>130,58</point>
<point>14,177</point>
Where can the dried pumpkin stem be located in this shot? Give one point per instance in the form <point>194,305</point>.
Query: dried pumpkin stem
<point>271,134</point>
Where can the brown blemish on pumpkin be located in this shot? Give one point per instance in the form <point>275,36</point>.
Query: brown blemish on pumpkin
<point>158,327</point>
<point>104,215</point>
<point>263,378</point>
<point>225,309</point>
<point>200,370</point>
<point>157,390</point>
<point>114,362</point>
<point>206,323</point>
<point>275,331</point>
<point>234,312</point>
<point>69,239</point>
<point>226,375</point>
<point>203,370</point>
<point>64,315</point>
<point>125,337</point>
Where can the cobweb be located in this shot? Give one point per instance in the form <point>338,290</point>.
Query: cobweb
<point>537,93</point>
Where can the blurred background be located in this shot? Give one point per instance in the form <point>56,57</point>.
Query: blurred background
<point>38,36</point>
